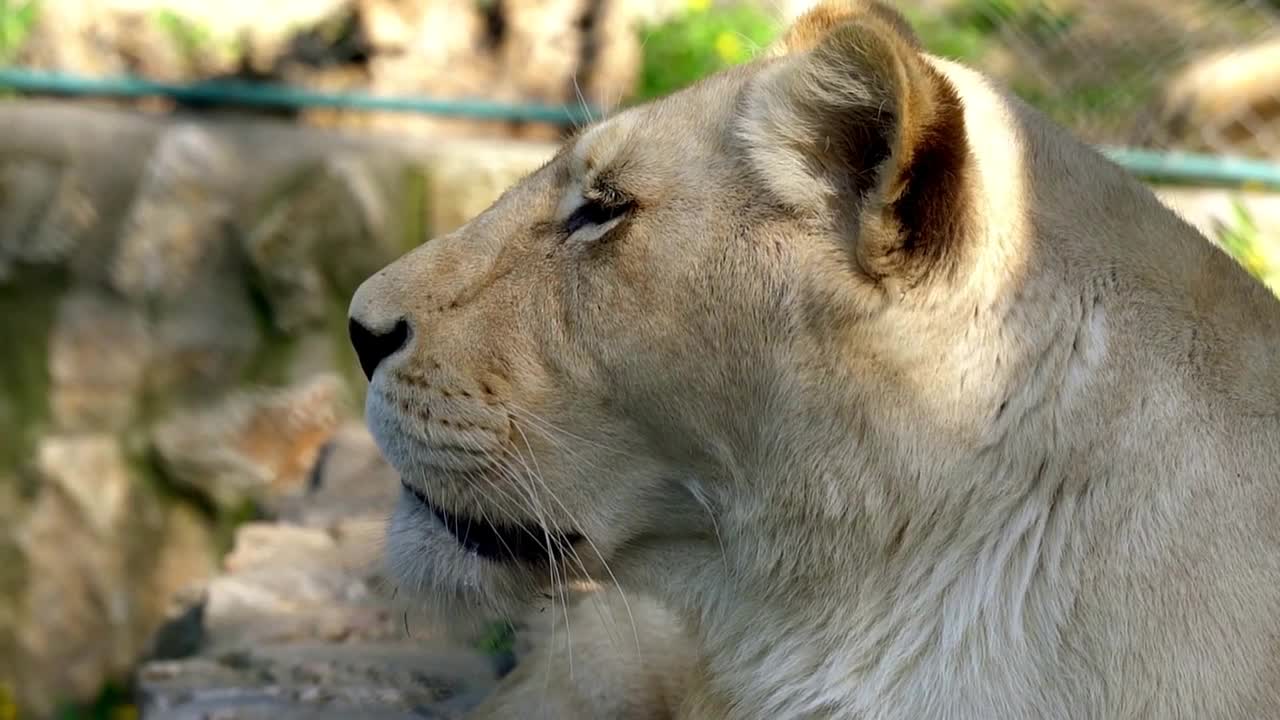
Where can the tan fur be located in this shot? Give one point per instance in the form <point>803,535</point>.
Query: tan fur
<point>599,667</point>
<point>897,400</point>
<point>811,28</point>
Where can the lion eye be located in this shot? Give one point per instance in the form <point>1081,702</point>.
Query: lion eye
<point>596,217</point>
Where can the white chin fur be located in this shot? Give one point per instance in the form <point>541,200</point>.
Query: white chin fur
<point>424,561</point>
<point>428,566</point>
<point>387,432</point>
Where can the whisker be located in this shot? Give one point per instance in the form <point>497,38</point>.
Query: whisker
<point>582,105</point>
<point>705,504</point>
<point>590,543</point>
<point>577,559</point>
<point>568,632</point>
<point>553,571</point>
<point>558,584</point>
<point>550,428</point>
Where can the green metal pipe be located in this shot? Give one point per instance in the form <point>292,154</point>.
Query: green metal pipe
<point>1149,164</point>
<point>1194,168</point>
<point>227,92</point>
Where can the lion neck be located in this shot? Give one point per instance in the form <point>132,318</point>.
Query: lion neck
<point>844,579</point>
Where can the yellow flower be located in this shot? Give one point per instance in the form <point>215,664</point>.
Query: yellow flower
<point>729,47</point>
<point>8,708</point>
<point>1274,284</point>
<point>1268,246</point>
<point>1253,261</point>
<point>1261,258</point>
<point>126,712</point>
<point>699,5</point>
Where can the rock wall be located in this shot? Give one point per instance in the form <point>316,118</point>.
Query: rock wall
<point>172,296</point>
<point>299,625</point>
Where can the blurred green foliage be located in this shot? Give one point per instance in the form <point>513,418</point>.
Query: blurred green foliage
<point>1243,239</point>
<point>17,19</point>
<point>191,39</point>
<point>965,30</point>
<point>705,39</point>
<point>28,306</point>
<point>698,42</point>
<point>115,703</point>
<point>497,639</point>
<point>969,31</point>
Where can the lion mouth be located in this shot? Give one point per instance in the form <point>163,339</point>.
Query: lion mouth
<point>532,544</point>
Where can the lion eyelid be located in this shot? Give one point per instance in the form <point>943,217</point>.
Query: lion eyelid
<point>590,231</point>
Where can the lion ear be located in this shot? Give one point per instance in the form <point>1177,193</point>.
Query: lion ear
<point>812,27</point>
<point>851,117</point>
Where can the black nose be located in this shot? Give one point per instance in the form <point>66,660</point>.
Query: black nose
<point>374,347</point>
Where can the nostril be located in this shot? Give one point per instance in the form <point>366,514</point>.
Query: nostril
<point>372,347</point>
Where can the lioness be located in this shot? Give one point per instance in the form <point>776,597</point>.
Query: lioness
<point>875,393</point>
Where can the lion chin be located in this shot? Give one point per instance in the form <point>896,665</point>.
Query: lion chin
<point>839,384</point>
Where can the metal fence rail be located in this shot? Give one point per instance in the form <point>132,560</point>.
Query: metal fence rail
<point>1155,165</point>
<point>262,95</point>
<point>1174,90</point>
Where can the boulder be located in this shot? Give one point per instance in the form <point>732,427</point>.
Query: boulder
<point>179,219</point>
<point>325,228</point>
<point>44,212</point>
<point>300,623</point>
<point>99,351</point>
<point>252,446</point>
<point>87,553</point>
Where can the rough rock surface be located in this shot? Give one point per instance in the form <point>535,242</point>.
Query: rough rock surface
<point>299,625</point>
<point>44,211</point>
<point>178,217</point>
<point>98,353</point>
<point>173,294</point>
<point>95,554</point>
<point>254,445</point>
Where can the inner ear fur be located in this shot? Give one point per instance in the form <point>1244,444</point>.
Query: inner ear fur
<point>852,120</point>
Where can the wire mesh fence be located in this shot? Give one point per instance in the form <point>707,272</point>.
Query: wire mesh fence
<point>1195,75</point>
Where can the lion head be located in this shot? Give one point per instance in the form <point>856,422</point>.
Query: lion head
<point>812,299</point>
<point>576,372</point>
